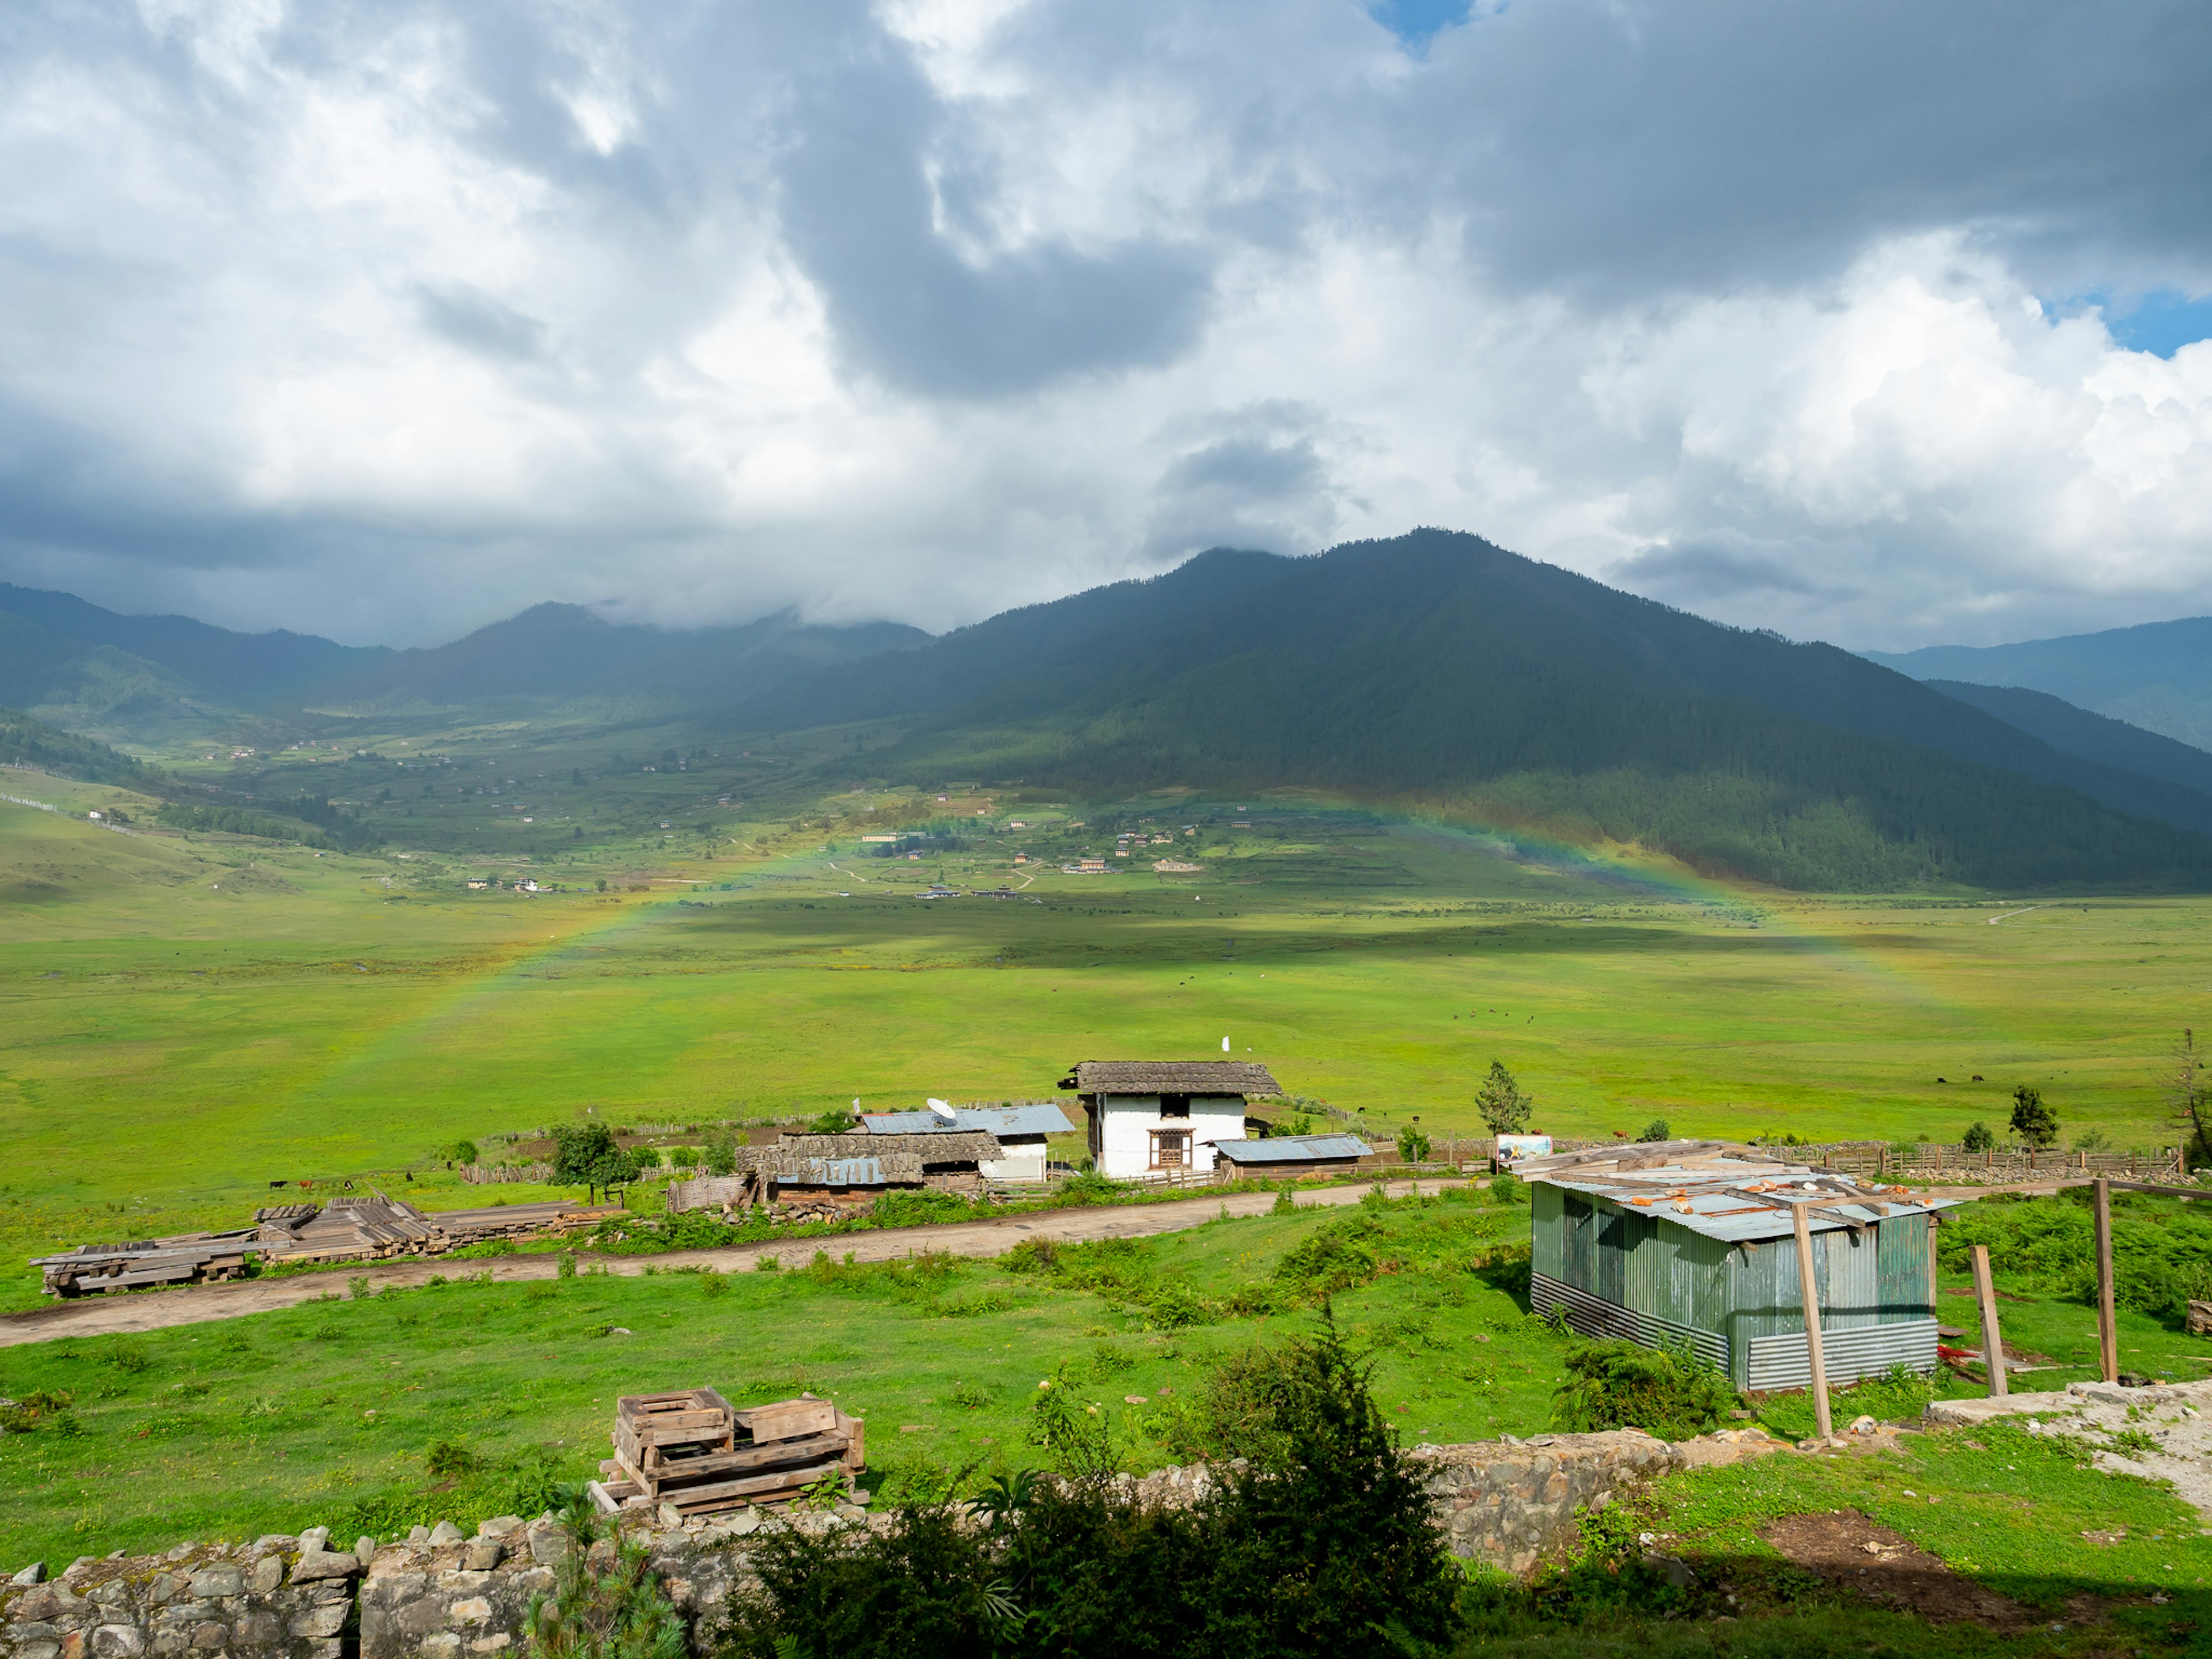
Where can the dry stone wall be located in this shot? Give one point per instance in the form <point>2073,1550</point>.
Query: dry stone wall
<point>440,1595</point>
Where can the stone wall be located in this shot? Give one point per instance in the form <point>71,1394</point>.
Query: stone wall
<point>441,1595</point>
<point>1506,1502</point>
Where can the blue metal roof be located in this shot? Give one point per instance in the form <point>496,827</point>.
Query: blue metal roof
<point>1293,1149</point>
<point>1039,1117</point>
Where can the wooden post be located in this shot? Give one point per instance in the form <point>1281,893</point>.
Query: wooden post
<point>1814,1357</point>
<point>1992,1344</point>
<point>2108,1329</point>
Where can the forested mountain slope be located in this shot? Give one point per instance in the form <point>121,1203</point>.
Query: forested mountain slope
<point>1436,667</point>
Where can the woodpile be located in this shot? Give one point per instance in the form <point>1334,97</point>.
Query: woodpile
<point>370,1228</point>
<point>692,1450</point>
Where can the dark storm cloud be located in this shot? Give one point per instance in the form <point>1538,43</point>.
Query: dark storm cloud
<point>424,311</point>
<point>926,315</point>
<point>1620,147</point>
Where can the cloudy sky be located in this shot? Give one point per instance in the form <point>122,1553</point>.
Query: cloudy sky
<point>1866,319</point>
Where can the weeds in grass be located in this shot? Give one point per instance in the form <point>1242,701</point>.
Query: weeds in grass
<point>712,1285</point>
<point>359,1288</point>
<point>129,1356</point>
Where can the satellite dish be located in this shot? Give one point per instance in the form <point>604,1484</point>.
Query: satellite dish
<point>939,1108</point>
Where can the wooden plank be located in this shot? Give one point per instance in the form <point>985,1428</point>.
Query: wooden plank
<point>855,1431</point>
<point>1816,1358</point>
<point>787,1419</point>
<point>769,1455</point>
<point>1992,1343</point>
<point>758,1486</point>
<point>2108,1331</point>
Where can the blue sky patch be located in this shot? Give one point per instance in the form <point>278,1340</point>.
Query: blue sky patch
<point>2161,321</point>
<point>1417,22</point>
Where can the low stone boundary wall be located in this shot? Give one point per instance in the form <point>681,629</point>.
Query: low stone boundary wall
<point>442,1596</point>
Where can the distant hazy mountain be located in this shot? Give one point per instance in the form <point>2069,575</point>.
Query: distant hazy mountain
<point>2099,737</point>
<point>244,670</point>
<point>2158,676</point>
<point>559,652</point>
<point>1437,667</point>
<point>93,670</point>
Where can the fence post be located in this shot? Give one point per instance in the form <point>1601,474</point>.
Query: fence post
<point>2108,1332</point>
<point>1816,1360</point>
<point>1993,1359</point>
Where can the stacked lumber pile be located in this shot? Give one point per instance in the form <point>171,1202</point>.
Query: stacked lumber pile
<point>370,1228</point>
<point>693,1449</point>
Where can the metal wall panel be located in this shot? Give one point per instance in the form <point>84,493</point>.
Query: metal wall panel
<point>1780,1362</point>
<point>1589,1316</point>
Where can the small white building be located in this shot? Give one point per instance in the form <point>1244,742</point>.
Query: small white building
<point>1164,1117</point>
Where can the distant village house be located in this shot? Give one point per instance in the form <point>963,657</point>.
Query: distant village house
<point>1164,1117</point>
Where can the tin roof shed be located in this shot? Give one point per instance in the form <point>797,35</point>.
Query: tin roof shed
<point>1694,1242</point>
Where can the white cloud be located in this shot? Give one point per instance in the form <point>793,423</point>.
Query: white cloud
<point>384,320</point>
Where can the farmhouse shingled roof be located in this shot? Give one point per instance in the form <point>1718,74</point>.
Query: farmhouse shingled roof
<point>1171,1076</point>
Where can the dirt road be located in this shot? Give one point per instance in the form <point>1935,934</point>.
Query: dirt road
<point>154,1310</point>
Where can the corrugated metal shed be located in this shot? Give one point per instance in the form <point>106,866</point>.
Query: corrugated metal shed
<point>1296,1148</point>
<point>1029,1119</point>
<point>1695,1242</point>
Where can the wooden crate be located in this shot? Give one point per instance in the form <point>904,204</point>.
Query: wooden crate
<point>692,1450</point>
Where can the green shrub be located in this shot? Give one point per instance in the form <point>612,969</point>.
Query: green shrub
<point>617,1610</point>
<point>1654,1130</point>
<point>1505,1187</point>
<point>1977,1137</point>
<point>1621,1385</point>
<point>449,1460</point>
<point>836,1121</point>
<point>1284,1203</point>
<point>1335,1257</point>
<point>920,1209</point>
<point>1327,1548</point>
<point>1413,1145</point>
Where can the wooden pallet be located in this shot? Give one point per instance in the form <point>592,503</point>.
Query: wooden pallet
<point>691,1449</point>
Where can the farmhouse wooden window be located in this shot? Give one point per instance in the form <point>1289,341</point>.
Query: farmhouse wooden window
<point>1174,1105</point>
<point>1170,1149</point>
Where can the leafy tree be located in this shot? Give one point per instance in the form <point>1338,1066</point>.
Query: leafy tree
<point>461,1152</point>
<point>721,1152</point>
<point>1502,1106</point>
<point>1656,1130</point>
<point>2188,1092</point>
<point>1412,1144</point>
<point>1978,1139</point>
<point>2032,1120</point>
<point>586,1155</point>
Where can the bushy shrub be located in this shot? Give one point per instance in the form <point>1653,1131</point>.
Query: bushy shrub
<point>1324,1545</point>
<point>1977,1137</point>
<point>1657,1129</point>
<point>1505,1187</point>
<point>1622,1385</point>
<point>1412,1144</point>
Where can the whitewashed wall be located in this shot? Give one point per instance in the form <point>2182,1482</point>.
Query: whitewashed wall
<point>1124,1137</point>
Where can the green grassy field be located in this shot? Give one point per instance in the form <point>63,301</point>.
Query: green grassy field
<point>184,1019</point>
<point>329,1413</point>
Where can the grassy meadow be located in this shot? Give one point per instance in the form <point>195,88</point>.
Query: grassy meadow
<point>462,1398</point>
<point>186,1018</point>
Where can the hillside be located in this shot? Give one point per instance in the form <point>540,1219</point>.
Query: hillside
<point>558,652</point>
<point>2075,731</point>
<point>1436,668</point>
<point>155,677</point>
<point>25,741</point>
<point>2157,675</point>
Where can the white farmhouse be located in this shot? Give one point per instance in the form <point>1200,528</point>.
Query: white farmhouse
<point>1162,1117</point>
